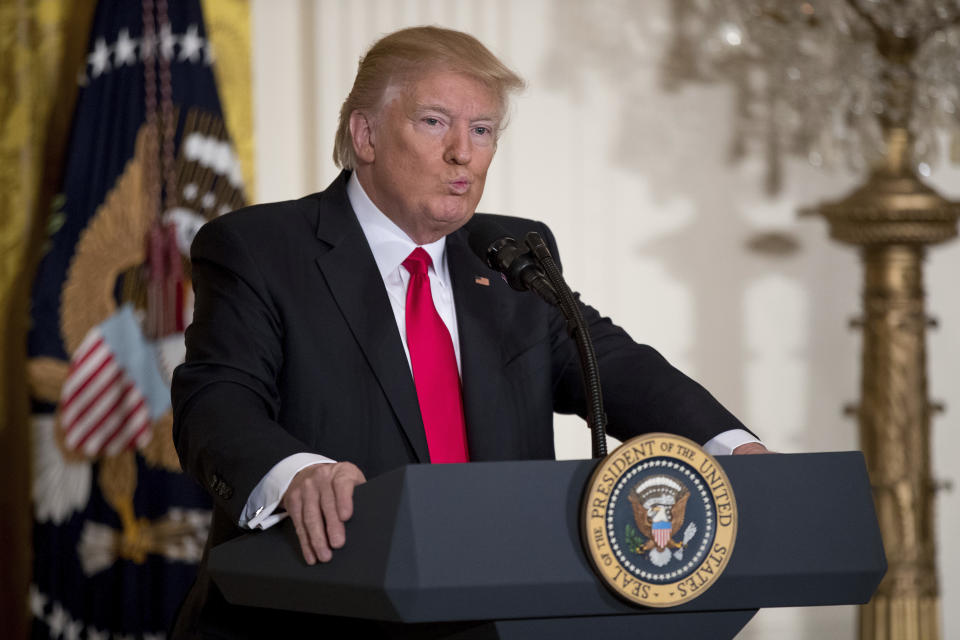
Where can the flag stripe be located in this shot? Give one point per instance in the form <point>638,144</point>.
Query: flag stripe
<point>106,416</point>
<point>661,537</point>
<point>131,426</point>
<point>132,406</point>
<point>79,360</point>
<point>94,419</point>
<point>79,379</point>
<point>99,387</point>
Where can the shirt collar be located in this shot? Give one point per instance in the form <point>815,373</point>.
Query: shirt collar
<point>388,242</point>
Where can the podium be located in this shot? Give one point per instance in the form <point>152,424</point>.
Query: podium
<point>493,550</point>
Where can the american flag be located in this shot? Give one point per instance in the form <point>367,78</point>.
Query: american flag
<point>111,393</point>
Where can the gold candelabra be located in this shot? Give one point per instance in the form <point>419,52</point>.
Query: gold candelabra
<point>892,218</point>
<point>871,84</point>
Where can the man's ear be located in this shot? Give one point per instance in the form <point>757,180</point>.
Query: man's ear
<point>361,132</point>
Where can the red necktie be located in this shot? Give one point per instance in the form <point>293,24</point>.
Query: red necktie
<point>434,366</point>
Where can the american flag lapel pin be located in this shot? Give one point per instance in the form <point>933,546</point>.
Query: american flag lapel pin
<point>481,280</point>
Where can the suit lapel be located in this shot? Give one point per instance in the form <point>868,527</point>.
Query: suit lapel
<point>479,326</point>
<point>355,283</point>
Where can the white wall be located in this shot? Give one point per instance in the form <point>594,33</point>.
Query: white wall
<point>653,220</point>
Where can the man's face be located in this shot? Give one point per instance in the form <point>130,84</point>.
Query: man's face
<point>430,147</point>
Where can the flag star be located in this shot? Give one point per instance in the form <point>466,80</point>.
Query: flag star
<point>190,45</point>
<point>125,49</point>
<point>167,42</point>
<point>95,634</point>
<point>57,620</point>
<point>100,58</point>
<point>72,630</point>
<point>38,602</point>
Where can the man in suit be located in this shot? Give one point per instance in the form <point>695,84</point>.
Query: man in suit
<point>350,332</point>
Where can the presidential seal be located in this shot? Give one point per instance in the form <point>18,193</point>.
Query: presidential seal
<point>659,520</point>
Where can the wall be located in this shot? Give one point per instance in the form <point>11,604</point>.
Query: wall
<point>658,229</point>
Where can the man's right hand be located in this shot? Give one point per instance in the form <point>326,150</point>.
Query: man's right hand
<point>319,500</point>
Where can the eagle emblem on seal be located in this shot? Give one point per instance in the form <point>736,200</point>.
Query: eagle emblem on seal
<point>659,504</point>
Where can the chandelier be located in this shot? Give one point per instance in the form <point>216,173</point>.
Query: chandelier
<point>824,79</point>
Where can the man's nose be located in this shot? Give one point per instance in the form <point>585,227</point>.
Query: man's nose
<point>459,146</point>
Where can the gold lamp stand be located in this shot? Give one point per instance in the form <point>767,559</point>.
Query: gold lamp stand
<point>895,64</point>
<point>893,217</point>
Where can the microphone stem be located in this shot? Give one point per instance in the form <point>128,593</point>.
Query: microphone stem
<point>577,327</point>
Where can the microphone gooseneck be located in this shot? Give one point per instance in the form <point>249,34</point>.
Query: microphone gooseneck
<point>577,327</point>
<point>533,268</point>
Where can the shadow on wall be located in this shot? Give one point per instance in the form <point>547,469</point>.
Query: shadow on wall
<point>680,143</point>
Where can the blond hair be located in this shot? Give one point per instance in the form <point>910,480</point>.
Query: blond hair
<point>402,56</point>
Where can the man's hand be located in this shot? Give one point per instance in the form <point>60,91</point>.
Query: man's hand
<point>750,447</point>
<point>319,500</point>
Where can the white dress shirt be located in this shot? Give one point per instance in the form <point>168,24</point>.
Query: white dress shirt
<point>390,247</point>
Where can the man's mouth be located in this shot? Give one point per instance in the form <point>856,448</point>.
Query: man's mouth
<point>459,187</point>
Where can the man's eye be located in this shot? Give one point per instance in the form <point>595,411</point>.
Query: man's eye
<point>432,121</point>
<point>481,131</point>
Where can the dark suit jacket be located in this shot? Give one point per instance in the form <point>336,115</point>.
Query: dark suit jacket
<point>294,348</point>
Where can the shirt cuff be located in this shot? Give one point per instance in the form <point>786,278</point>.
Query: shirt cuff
<point>258,513</point>
<point>724,443</point>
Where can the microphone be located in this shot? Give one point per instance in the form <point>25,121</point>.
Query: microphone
<point>532,267</point>
<point>501,252</point>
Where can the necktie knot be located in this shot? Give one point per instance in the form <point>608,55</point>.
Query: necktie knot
<point>417,262</point>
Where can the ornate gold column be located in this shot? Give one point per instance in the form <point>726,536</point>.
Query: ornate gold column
<point>893,217</point>
<point>872,82</point>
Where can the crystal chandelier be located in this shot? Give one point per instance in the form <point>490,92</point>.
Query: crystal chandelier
<point>823,79</point>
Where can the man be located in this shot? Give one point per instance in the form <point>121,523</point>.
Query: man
<point>350,332</point>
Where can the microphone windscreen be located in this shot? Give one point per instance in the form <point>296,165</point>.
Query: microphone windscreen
<point>483,232</point>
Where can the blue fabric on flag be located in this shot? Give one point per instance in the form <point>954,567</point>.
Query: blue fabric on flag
<point>123,335</point>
